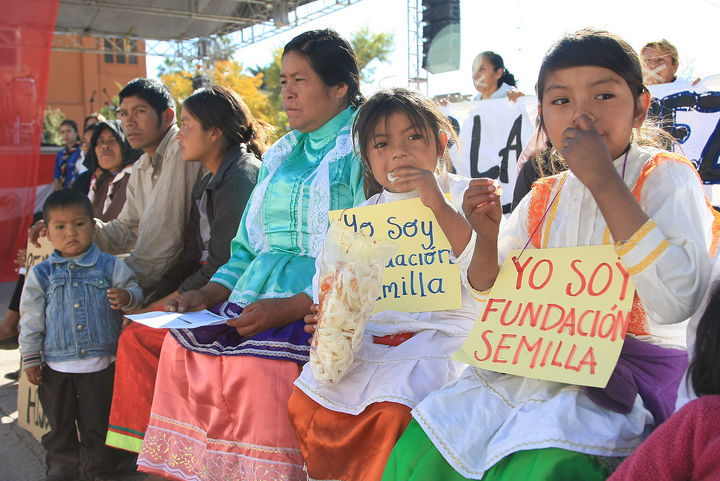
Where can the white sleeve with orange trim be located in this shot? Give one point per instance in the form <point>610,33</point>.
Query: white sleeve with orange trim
<point>668,256</point>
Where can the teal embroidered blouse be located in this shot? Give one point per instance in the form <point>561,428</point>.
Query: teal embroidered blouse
<point>303,176</point>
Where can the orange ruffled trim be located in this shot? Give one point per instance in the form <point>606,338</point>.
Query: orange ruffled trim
<point>637,318</point>
<point>539,199</point>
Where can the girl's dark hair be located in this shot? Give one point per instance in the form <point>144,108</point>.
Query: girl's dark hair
<point>599,48</point>
<point>497,62</point>
<point>332,58</point>
<point>221,107</point>
<point>71,123</point>
<point>424,115</point>
<point>704,370</point>
<point>64,198</point>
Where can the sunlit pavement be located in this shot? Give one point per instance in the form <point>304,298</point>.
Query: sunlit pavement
<point>22,457</point>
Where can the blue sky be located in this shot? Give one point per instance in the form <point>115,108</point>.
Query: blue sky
<point>521,31</point>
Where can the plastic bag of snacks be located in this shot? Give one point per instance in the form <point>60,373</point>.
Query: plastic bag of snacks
<point>349,283</point>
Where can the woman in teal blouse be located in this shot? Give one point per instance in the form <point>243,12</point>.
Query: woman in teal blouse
<point>220,405</point>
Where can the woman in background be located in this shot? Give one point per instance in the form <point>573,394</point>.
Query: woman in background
<point>110,157</point>
<point>67,158</point>
<point>491,78</point>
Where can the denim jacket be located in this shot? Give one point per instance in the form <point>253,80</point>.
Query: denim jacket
<point>64,309</point>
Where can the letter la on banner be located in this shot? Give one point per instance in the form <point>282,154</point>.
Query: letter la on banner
<point>556,314</point>
<point>421,275</point>
<point>493,133</point>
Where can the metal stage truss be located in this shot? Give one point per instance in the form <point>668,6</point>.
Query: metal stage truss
<point>189,29</point>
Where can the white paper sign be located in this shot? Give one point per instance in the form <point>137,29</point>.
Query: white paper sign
<point>691,114</point>
<point>176,320</point>
<point>493,133</point>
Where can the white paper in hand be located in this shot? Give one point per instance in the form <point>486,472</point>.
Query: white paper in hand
<point>176,320</point>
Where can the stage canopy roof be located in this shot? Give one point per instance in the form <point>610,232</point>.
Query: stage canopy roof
<point>174,19</point>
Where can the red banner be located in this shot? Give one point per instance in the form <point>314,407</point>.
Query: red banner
<point>26,32</point>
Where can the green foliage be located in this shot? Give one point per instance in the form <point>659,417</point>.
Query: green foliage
<point>51,126</point>
<point>272,86</point>
<point>229,73</point>
<point>368,47</point>
<point>110,108</point>
<point>108,111</point>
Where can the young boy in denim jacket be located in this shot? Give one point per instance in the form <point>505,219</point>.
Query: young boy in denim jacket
<point>69,326</point>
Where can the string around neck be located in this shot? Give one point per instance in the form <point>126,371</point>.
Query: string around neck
<point>542,219</point>
<point>625,163</point>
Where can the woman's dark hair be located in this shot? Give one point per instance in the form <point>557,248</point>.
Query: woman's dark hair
<point>497,62</point>
<point>64,198</point>
<point>332,58</point>
<point>221,107</point>
<point>152,91</point>
<point>424,115</point>
<point>129,155</point>
<point>71,123</point>
<point>704,370</point>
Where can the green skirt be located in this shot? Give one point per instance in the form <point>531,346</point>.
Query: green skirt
<point>415,458</point>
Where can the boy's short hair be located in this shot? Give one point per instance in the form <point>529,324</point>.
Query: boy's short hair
<point>152,91</point>
<point>66,198</point>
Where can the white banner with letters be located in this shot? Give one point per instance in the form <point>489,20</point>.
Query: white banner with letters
<point>494,132</point>
<point>492,136</point>
<point>691,114</point>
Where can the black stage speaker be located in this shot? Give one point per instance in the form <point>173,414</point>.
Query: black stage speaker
<point>441,35</point>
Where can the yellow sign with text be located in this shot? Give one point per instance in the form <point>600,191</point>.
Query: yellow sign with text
<point>421,275</point>
<point>555,314</point>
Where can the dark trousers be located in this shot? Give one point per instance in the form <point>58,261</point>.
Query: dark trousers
<point>15,299</point>
<point>83,400</point>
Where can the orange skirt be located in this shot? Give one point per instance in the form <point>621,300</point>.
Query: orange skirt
<point>345,446</point>
<point>137,362</point>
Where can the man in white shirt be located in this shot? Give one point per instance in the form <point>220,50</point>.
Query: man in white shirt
<point>159,194</point>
